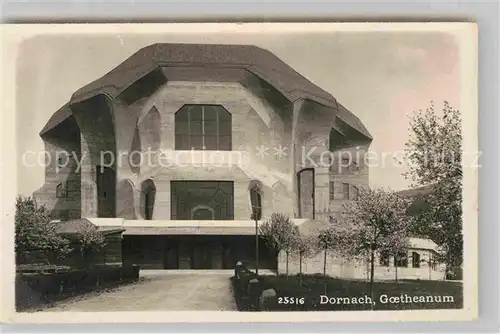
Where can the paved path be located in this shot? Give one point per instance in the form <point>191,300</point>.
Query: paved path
<point>161,291</point>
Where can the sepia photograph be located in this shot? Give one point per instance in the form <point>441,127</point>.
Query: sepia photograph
<point>301,170</point>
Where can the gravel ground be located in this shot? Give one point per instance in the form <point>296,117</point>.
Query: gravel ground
<point>160,292</point>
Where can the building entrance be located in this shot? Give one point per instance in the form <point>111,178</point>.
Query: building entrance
<point>195,251</point>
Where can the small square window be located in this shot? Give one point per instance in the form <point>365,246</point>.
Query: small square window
<point>61,190</point>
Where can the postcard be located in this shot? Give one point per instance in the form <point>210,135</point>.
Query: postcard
<point>223,172</point>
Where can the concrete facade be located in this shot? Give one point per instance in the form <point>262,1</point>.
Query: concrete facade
<point>149,127</point>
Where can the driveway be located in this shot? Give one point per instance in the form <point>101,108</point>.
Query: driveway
<point>163,290</point>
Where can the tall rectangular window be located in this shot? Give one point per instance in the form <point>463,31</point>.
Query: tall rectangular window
<point>355,192</point>
<point>203,127</point>
<point>415,260</point>
<point>432,261</point>
<point>345,190</point>
<point>332,190</point>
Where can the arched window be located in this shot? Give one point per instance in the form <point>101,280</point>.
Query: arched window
<point>202,212</point>
<point>256,199</point>
<point>148,194</point>
<point>203,127</point>
<point>150,130</point>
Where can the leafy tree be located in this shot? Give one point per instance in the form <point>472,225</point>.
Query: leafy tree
<point>435,156</point>
<point>374,222</point>
<point>36,232</point>
<point>279,233</point>
<point>304,247</point>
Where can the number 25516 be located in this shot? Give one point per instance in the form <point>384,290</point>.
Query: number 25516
<point>291,300</point>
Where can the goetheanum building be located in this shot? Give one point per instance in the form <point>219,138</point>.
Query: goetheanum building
<point>177,143</point>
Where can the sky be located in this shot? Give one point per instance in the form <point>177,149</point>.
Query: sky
<point>381,77</point>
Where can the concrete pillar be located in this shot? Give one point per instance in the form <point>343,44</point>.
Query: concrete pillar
<point>162,208</point>
<point>88,181</point>
<point>322,193</point>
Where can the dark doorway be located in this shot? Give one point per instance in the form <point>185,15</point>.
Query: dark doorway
<point>171,256</point>
<point>228,256</point>
<point>202,256</point>
<point>306,193</point>
<point>106,192</point>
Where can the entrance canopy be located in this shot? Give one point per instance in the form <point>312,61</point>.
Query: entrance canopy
<point>182,227</point>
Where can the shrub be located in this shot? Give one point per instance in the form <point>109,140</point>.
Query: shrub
<point>90,242</point>
<point>36,234</point>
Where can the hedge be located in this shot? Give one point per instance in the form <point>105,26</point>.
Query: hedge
<point>291,295</point>
<point>36,288</point>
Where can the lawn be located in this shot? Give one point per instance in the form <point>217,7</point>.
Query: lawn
<point>343,294</point>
